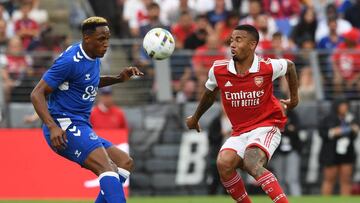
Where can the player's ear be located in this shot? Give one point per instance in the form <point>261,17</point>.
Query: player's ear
<point>253,44</point>
<point>86,37</point>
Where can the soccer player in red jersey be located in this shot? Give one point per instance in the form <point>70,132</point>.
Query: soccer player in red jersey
<point>246,86</point>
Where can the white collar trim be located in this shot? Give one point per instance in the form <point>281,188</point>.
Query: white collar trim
<point>253,69</point>
<point>83,52</point>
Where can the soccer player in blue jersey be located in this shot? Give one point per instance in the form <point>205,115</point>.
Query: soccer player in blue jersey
<point>71,85</point>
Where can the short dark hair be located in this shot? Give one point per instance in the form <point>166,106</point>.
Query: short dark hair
<point>89,25</point>
<point>277,34</point>
<point>153,5</point>
<point>251,30</point>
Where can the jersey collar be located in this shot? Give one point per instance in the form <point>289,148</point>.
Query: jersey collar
<point>253,69</point>
<point>83,52</point>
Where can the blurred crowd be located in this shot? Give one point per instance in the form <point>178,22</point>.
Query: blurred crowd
<point>288,28</point>
<point>27,44</point>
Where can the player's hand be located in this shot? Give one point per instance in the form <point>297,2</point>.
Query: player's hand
<point>129,72</point>
<point>289,104</point>
<point>58,138</point>
<point>193,123</point>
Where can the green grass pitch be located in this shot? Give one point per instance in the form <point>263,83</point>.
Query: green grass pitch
<point>208,199</point>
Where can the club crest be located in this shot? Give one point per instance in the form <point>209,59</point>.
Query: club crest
<point>258,80</point>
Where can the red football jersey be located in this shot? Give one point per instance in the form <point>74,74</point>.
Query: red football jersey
<point>248,99</point>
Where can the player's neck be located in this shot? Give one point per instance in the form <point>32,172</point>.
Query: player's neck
<point>87,51</point>
<point>242,66</point>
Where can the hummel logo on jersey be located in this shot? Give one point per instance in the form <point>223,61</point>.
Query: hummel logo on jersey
<point>87,76</point>
<point>228,84</point>
<point>77,57</point>
<point>75,131</point>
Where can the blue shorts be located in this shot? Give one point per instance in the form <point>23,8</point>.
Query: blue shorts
<point>82,140</point>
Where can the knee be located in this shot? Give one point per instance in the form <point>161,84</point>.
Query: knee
<point>224,166</point>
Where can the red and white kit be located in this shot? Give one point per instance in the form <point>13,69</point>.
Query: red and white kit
<point>253,110</point>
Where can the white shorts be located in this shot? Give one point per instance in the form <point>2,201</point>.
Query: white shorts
<point>266,138</point>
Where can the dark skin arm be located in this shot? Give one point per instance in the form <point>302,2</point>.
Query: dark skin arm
<point>38,99</point>
<point>293,83</point>
<point>125,75</point>
<point>207,100</point>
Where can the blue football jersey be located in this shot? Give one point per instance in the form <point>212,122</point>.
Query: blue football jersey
<point>74,78</point>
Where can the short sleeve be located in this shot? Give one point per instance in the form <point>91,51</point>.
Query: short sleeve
<point>58,73</point>
<point>211,83</point>
<point>279,68</point>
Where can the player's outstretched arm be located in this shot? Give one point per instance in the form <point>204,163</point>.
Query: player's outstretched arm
<point>293,83</point>
<point>38,99</point>
<point>207,100</point>
<point>125,75</point>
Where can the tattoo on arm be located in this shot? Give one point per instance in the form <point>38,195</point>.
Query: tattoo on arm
<point>206,102</point>
<point>292,80</point>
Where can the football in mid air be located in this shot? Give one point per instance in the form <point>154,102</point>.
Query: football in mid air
<point>158,43</point>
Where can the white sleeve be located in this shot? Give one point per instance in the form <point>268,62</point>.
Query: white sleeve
<point>211,83</point>
<point>279,68</point>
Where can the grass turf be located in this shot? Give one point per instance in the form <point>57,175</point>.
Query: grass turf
<point>207,199</point>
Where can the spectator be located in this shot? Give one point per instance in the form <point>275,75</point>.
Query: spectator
<point>135,14</point>
<point>3,36</point>
<point>183,29</point>
<point>45,50</point>
<point>282,9</point>
<point>261,23</point>
<point>346,65</point>
<point>26,28</point>
<point>353,15</point>
<point>322,29</point>
<point>204,6</point>
<point>285,13</point>
<point>187,88</point>
<point>279,48</point>
<point>302,59</point>
<point>332,40</point>
<point>204,56</point>
<point>326,46</point>
<point>40,16</point>
<point>224,29</point>
<point>16,66</point>
<point>337,156</point>
<point>153,12</point>
<point>143,59</point>
<point>172,9</point>
<point>306,27</point>
<point>218,14</point>
<point>106,114</point>
<point>286,160</point>
<point>306,85</point>
<point>255,9</point>
<point>198,37</point>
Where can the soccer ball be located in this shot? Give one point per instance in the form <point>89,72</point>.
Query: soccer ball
<point>159,43</point>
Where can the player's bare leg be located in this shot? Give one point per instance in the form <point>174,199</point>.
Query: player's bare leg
<point>345,176</point>
<point>100,163</point>
<point>227,163</point>
<point>255,160</point>
<point>123,161</point>
<point>121,158</point>
<point>329,179</point>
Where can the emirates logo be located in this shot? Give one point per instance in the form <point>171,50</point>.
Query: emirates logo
<point>258,80</point>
